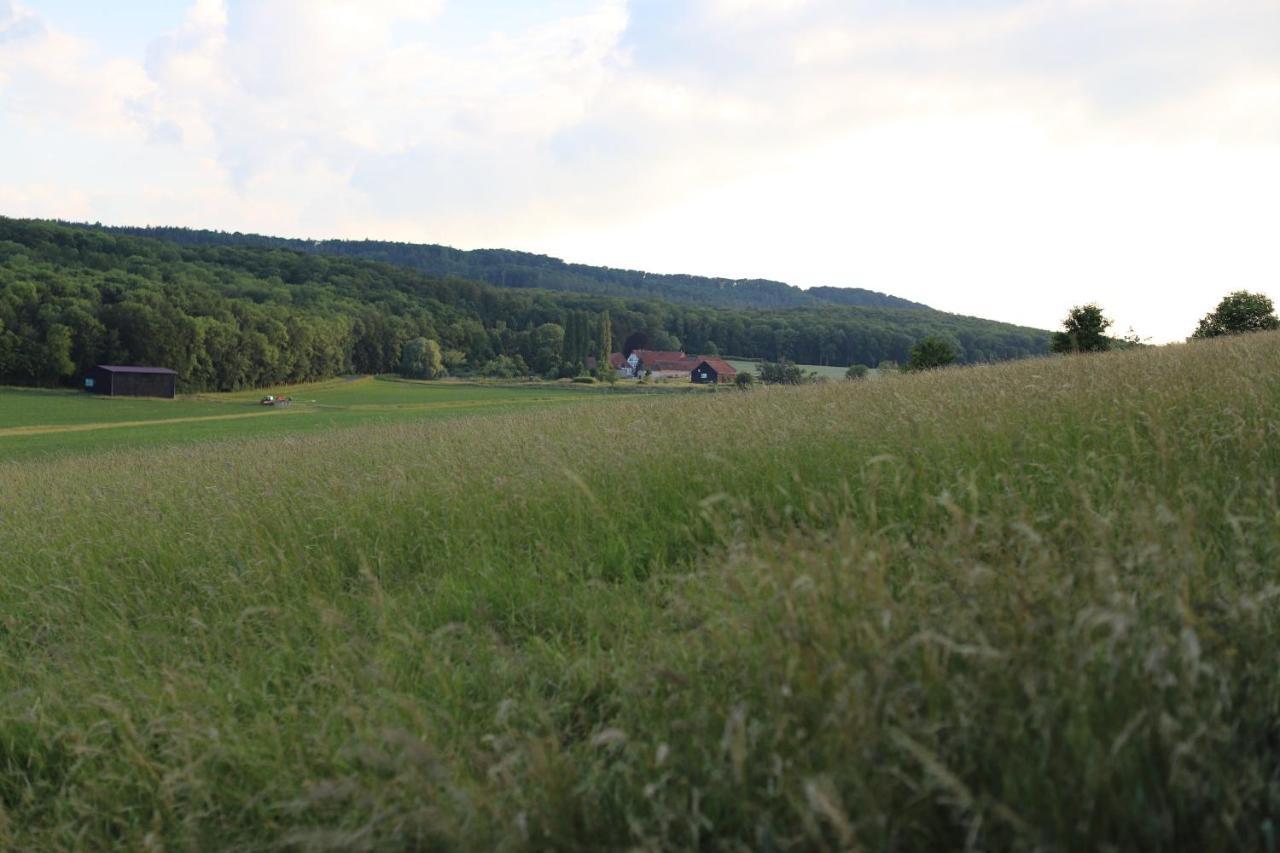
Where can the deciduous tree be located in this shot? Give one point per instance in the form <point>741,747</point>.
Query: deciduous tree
<point>932,353</point>
<point>1237,313</point>
<point>1084,330</point>
<point>422,359</point>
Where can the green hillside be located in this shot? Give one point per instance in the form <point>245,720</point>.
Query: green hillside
<point>506,268</point>
<point>1030,606</point>
<point>228,318</point>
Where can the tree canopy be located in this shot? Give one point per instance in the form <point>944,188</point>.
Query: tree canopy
<point>506,268</point>
<point>421,359</point>
<point>1084,330</point>
<point>1237,313</point>
<point>932,353</point>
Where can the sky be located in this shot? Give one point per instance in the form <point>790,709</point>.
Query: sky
<point>1000,158</point>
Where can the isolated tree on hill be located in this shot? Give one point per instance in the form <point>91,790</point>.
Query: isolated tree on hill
<point>857,371</point>
<point>932,353</point>
<point>1084,330</point>
<point>422,359</point>
<point>1237,313</point>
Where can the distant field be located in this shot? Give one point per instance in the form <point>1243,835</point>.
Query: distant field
<point>822,370</point>
<point>37,422</point>
<point>1030,606</point>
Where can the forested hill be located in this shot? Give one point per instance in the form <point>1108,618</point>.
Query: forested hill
<point>228,317</point>
<point>506,268</point>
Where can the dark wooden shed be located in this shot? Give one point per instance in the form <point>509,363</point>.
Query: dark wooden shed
<point>118,381</point>
<point>711,371</point>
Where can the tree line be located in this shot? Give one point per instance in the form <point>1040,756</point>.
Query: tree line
<point>507,268</point>
<point>232,317</point>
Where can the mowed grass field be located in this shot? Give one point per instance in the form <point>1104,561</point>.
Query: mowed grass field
<point>36,422</point>
<point>1028,606</point>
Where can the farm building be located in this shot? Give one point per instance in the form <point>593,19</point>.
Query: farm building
<point>663,364</point>
<point>118,381</point>
<point>711,371</point>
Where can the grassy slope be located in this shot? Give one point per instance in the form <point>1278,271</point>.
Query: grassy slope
<point>35,422</point>
<point>1015,606</point>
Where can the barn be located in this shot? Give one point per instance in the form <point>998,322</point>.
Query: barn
<point>115,380</point>
<point>711,371</point>
<point>661,364</point>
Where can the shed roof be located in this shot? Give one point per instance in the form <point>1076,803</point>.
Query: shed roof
<point>117,368</point>
<point>719,365</point>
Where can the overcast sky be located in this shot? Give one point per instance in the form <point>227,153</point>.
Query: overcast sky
<point>989,157</point>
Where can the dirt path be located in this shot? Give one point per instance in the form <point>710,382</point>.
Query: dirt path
<point>40,430</point>
<point>372,408</point>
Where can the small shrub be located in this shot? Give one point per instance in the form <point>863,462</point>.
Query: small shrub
<point>781,372</point>
<point>857,371</point>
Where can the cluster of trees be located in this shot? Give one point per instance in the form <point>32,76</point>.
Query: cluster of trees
<point>230,317</point>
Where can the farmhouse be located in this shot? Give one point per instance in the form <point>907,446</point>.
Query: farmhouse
<point>118,381</point>
<point>711,370</point>
<point>670,364</point>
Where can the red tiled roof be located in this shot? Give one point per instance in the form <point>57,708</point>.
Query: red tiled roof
<point>678,365</point>
<point>650,356</point>
<point>719,365</point>
<point>665,360</point>
<point>616,360</point>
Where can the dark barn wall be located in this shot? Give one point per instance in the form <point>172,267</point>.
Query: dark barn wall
<point>143,385</point>
<point>113,383</point>
<point>101,381</point>
<point>713,375</point>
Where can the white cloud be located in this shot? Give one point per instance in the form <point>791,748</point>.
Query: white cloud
<point>51,78</point>
<point>961,154</point>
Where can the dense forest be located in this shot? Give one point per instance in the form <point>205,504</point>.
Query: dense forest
<point>506,268</point>
<point>229,317</point>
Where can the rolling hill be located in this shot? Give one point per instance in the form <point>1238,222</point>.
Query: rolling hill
<point>229,316</point>
<point>507,268</point>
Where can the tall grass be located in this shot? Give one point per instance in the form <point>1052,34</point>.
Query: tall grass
<point>1032,606</point>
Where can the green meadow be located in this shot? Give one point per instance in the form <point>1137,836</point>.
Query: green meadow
<point>40,422</point>
<point>1027,606</point>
